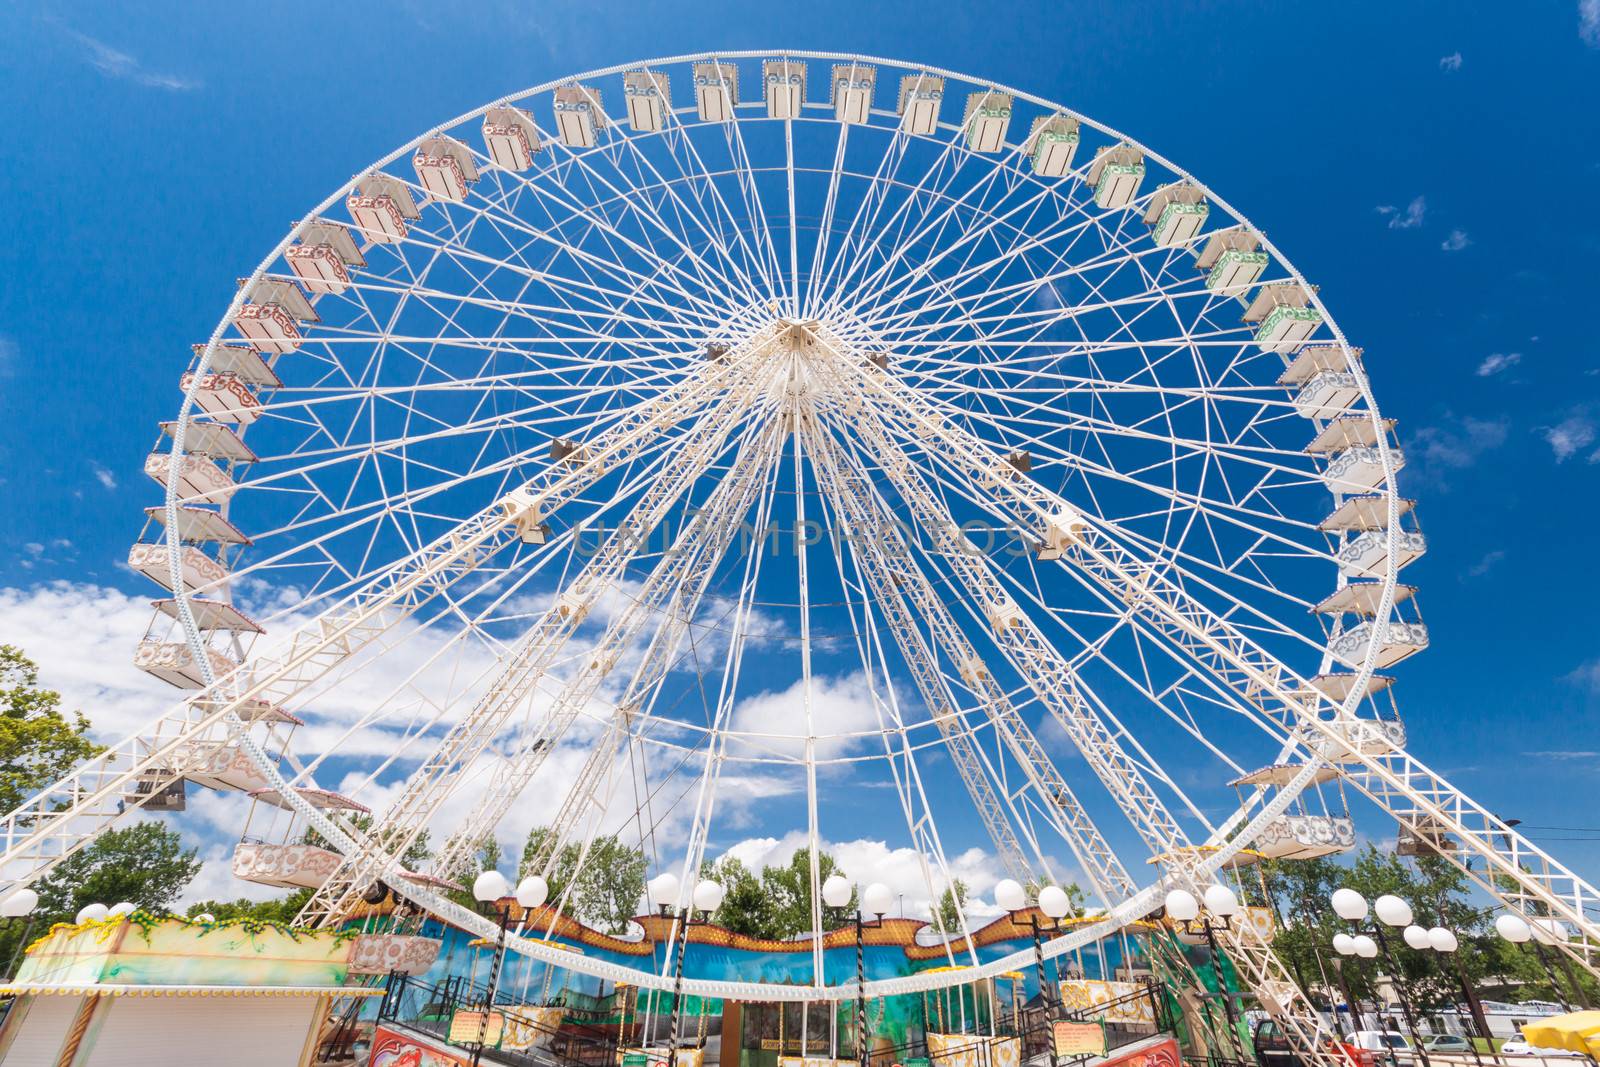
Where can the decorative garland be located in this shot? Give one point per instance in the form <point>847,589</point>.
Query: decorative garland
<point>147,921</point>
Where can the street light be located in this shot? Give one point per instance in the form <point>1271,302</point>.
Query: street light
<point>1053,903</point>
<point>1518,931</point>
<point>1393,912</point>
<point>664,890</point>
<point>875,899</point>
<point>1221,907</point>
<point>19,905</point>
<point>489,889</point>
<point>1444,942</point>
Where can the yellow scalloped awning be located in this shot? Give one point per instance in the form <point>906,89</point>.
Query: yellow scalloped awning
<point>1577,1031</point>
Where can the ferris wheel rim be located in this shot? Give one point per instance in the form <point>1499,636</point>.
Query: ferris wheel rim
<point>182,593</point>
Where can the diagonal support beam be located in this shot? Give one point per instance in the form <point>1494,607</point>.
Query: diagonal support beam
<point>439,775</point>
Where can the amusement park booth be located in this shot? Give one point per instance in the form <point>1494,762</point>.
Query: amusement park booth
<point>135,989</point>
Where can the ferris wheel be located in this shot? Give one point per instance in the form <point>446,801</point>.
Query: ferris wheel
<point>745,434</point>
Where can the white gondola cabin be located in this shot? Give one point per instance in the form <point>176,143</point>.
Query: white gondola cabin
<point>445,168</point>
<point>1053,141</point>
<point>579,115</point>
<point>323,258</point>
<point>921,96</point>
<point>381,206</point>
<point>716,91</point>
<point>648,94</point>
<point>850,92</point>
<point>1325,384</point>
<point>1396,640</point>
<point>1115,175</point>
<point>986,119</point>
<point>1360,598</point>
<point>211,439</point>
<point>270,321</point>
<point>198,478</point>
<point>1283,316</point>
<point>224,397</point>
<point>321,799</point>
<point>211,615</point>
<point>510,138</point>
<point>218,765</point>
<point>174,663</point>
<point>1355,465</point>
<point>201,525</point>
<point>1232,261</point>
<point>1374,737</point>
<point>1367,554</point>
<point>1365,513</point>
<point>201,573</point>
<point>1299,833</point>
<point>284,866</point>
<point>1175,214</point>
<point>783,83</point>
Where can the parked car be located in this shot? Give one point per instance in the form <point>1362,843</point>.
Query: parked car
<point>1522,1048</point>
<point>1274,1048</point>
<point>1448,1043</point>
<point>1386,1046</point>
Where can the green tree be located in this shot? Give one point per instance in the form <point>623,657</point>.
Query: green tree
<point>416,854</point>
<point>602,888</point>
<point>746,908</point>
<point>145,863</point>
<point>278,909</point>
<point>38,743</point>
<point>947,916</point>
<point>789,889</point>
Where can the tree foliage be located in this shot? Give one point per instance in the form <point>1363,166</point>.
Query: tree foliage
<point>1439,895</point>
<point>609,880</point>
<point>947,916</point>
<point>39,744</point>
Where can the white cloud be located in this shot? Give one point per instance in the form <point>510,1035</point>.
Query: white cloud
<point>1486,564</point>
<point>104,476</point>
<point>842,712</point>
<point>1408,219</point>
<point>1450,63</point>
<point>121,66</point>
<point>1433,453</point>
<point>1457,240</point>
<point>1589,22</point>
<point>1496,362</point>
<point>1569,436</point>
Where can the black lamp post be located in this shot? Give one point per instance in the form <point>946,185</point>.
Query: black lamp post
<point>1391,911</point>
<point>1054,904</point>
<point>1220,911</point>
<point>706,899</point>
<point>875,898</point>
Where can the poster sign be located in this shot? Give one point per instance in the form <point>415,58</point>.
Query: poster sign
<point>469,1028</point>
<point>1079,1039</point>
<point>1163,1055</point>
<point>390,1048</point>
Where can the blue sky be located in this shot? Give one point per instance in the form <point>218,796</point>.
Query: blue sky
<point>1429,166</point>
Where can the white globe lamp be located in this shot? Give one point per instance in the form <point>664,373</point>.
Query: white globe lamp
<point>1220,901</point>
<point>1349,905</point>
<point>1442,940</point>
<point>489,887</point>
<point>1513,928</point>
<point>708,896</point>
<point>532,891</point>
<point>1182,906</point>
<point>1365,947</point>
<point>19,904</point>
<point>1053,902</point>
<point>836,891</point>
<point>1009,894</point>
<point>93,913</point>
<point>663,890</point>
<point>1392,911</point>
<point>1417,938</point>
<point>877,899</point>
<point>1344,944</point>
